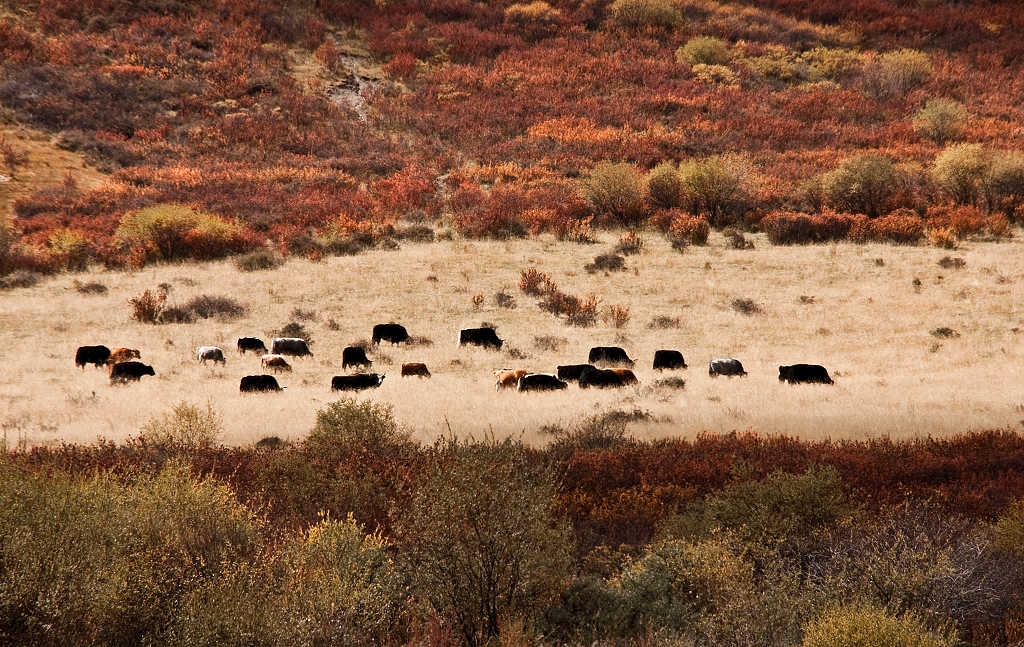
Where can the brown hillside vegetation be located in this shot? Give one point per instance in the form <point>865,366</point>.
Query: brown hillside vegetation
<point>872,314</point>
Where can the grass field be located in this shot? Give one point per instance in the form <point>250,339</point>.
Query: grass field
<point>861,317</point>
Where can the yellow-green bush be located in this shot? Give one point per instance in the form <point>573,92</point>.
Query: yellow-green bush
<point>715,74</point>
<point>940,120</point>
<point>704,49</point>
<point>534,20</point>
<point>1005,182</point>
<point>1009,529</point>
<point>896,73</point>
<point>961,170</point>
<point>186,425</point>
<point>95,561</point>
<point>71,248</point>
<point>664,188</point>
<point>352,425</point>
<point>861,184</point>
<point>720,186</point>
<point>616,190</point>
<point>171,231</point>
<point>480,539</point>
<point>638,14</point>
<point>863,625</point>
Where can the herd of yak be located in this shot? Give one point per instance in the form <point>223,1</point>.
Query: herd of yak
<point>124,365</point>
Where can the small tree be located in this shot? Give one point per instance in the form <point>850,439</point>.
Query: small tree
<point>961,170</point>
<point>861,184</point>
<point>616,190</point>
<point>720,186</point>
<point>940,120</point>
<point>481,539</point>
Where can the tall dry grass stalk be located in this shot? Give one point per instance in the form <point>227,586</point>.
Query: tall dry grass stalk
<point>868,323</point>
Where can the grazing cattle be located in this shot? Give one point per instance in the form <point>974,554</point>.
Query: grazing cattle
<point>419,369</point>
<point>129,372</point>
<point>600,377</point>
<point>251,343</point>
<point>610,356</point>
<point>277,363</point>
<point>508,378</point>
<point>627,376</point>
<point>668,359</point>
<point>354,356</point>
<point>804,374</point>
<point>572,372</point>
<point>540,382</point>
<point>391,332</point>
<point>210,354</point>
<point>258,383</point>
<point>95,355</point>
<point>290,346</point>
<point>726,366</point>
<point>356,382</point>
<point>485,337</point>
<point>123,355</point>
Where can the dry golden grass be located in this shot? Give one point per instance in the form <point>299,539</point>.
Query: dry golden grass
<point>867,324</point>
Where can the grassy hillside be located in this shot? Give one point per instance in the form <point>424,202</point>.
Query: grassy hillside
<point>306,124</point>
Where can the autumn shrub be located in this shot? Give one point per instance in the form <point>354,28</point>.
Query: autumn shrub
<point>90,287</point>
<point>940,120</point>
<point>402,65</point>
<point>865,625</point>
<point>534,282</point>
<point>170,232</point>
<point>638,14</point>
<point>705,49</point>
<point>664,188</point>
<point>615,191</point>
<point>20,279</point>
<point>616,316</point>
<point>944,237</point>
<point>93,560</point>
<point>688,230</point>
<point>961,221</point>
<point>260,259</point>
<point>960,171</point>
<point>791,228</point>
<point>1009,528</point>
<point>864,184</point>
<point>71,249</point>
<point>720,187</point>
<point>293,329</point>
<point>497,215</point>
<point>186,425</point>
<point>148,306</point>
<point>630,242</point>
<point>606,263</point>
<point>895,73</point>
<point>480,539</point>
<point>902,226</point>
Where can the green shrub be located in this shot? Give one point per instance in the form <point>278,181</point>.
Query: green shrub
<point>940,120</point>
<point>895,73</point>
<point>638,14</point>
<point>599,431</point>
<point>169,232</point>
<point>704,49</point>
<point>961,170</point>
<point>863,625</point>
<point>715,75</point>
<point>720,186</point>
<point>341,589</point>
<point>480,539</point>
<point>779,507</point>
<point>355,426</point>
<point>1009,529</point>
<point>186,425</point>
<point>96,561</point>
<point>664,188</point>
<point>1005,182</point>
<point>830,63</point>
<point>616,190</point>
<point>864,184</point>
<point>260,259</point>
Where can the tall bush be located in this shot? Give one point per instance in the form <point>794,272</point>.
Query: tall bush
<point>480,538</point>
<point>895,73</point>
<point>940,120</point>
<point>861,184</point>
<point>960,171</point>
<point>616,190</point>
<point>720,186</point>
<point>664,188</point>
<point>170,231</point>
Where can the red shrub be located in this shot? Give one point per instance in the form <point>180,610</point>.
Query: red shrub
<point>902,226</point>
<point>790,228</point>
<point>401,66</point>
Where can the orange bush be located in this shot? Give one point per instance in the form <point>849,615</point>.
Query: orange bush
<point>789,228</point>
<point>689,230</point>
<point>901,226</point>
